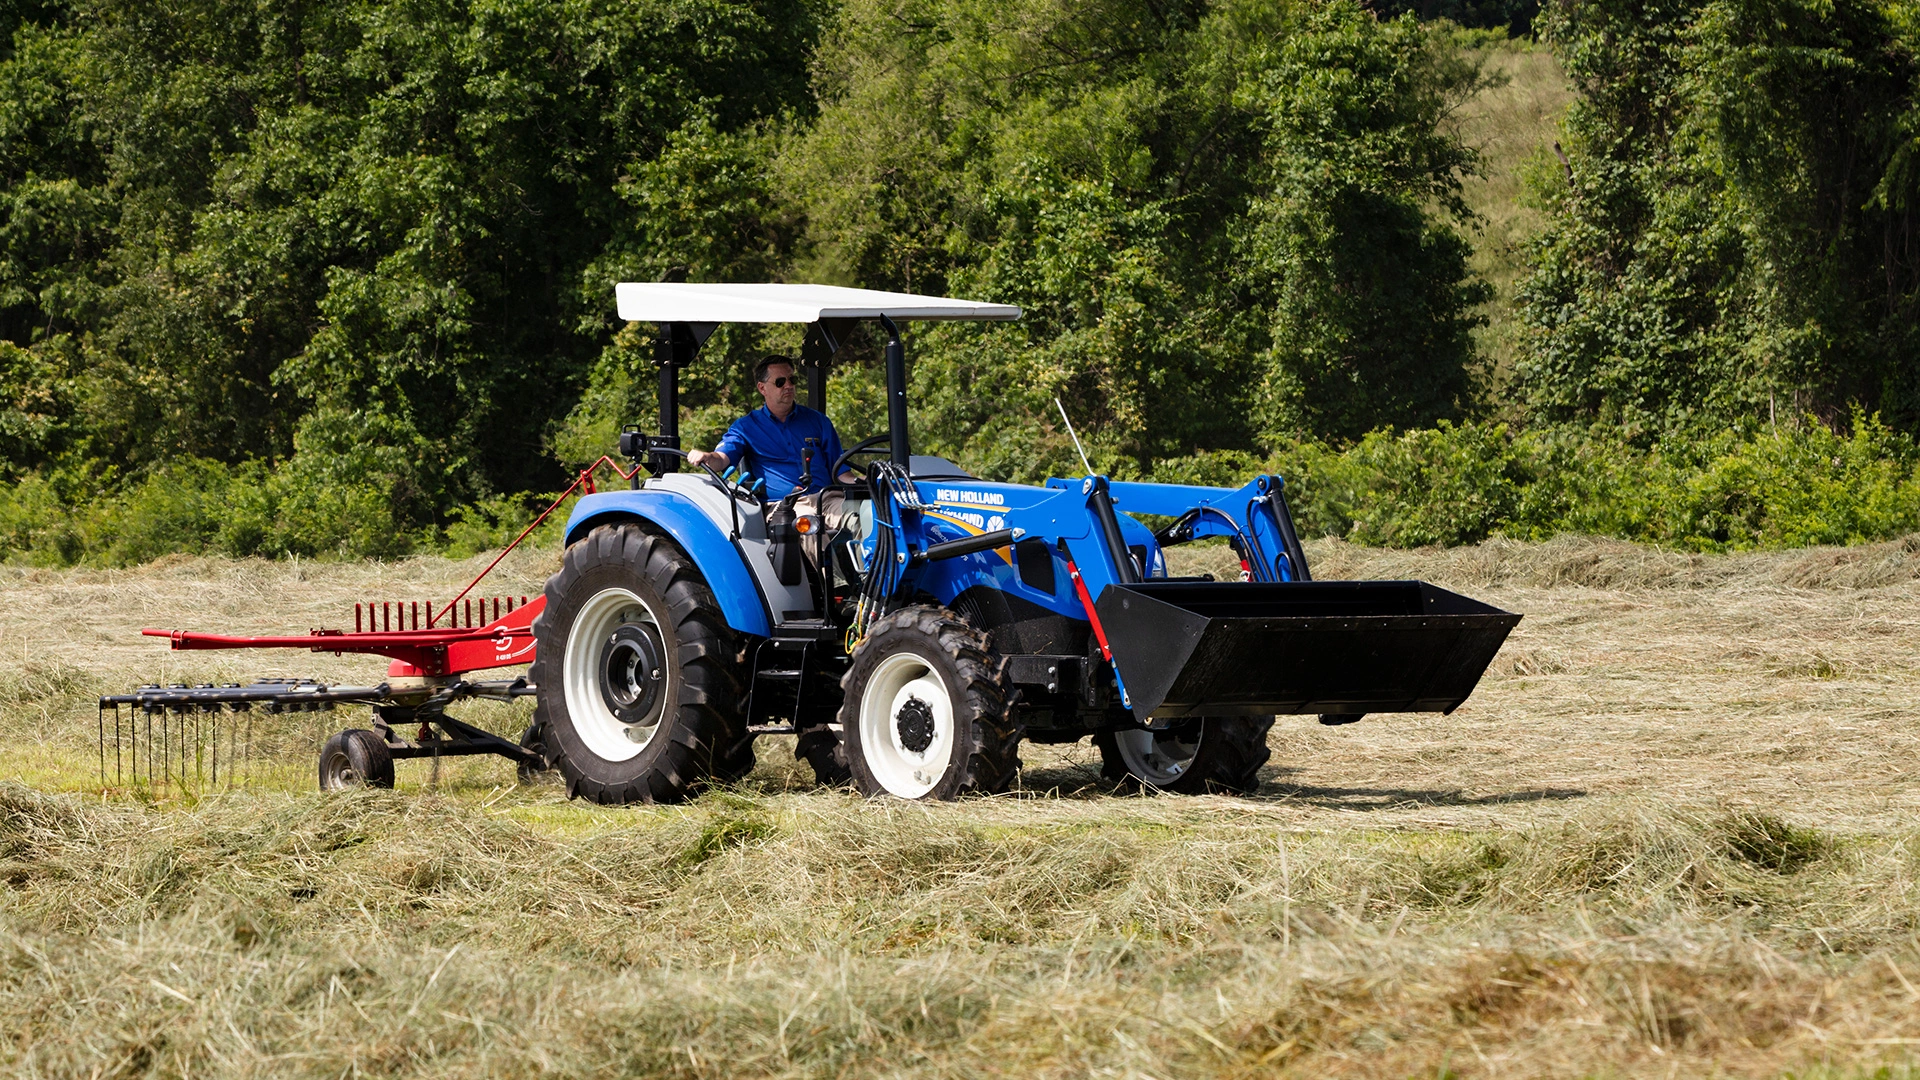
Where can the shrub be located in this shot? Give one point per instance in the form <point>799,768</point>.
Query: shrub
<point>1458,484</point>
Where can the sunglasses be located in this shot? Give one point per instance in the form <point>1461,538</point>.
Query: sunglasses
<point>780,381</point>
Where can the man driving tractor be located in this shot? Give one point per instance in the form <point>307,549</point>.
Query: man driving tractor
<point>776,436</point>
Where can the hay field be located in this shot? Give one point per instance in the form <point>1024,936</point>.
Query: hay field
<point>1673,834</point>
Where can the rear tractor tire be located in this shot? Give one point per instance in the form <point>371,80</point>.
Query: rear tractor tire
<point>639,697</point>
<point>926,709</point>
<point>355,758</point>
<point>1202,756</point>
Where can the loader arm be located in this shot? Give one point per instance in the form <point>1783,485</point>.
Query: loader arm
<point>1278,643</point>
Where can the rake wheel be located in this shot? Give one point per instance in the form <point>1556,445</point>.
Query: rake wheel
<point>355,758</point>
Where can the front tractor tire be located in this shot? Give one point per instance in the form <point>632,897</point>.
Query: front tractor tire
<point>926,709</point>
<point>638,673</point>
<point>1202,756</point>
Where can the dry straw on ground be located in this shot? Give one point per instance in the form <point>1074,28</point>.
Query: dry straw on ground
<point>1673,833</point>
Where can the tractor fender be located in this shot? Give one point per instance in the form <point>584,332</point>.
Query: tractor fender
<point>688,526</point>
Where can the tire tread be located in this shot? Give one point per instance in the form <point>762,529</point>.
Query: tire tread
<point>707,741</point>
<point>993,759</point>
<point>1232,752</point>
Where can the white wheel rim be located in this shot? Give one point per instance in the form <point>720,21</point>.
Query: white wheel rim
<point>340,774</point>
<point>1157,757</point>
<point>606,735</point>
<point>897,682</point>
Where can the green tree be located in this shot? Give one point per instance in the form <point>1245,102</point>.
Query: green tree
<point>232,222</point>
<point>1353,251</point>
<point>1228,223</point>
<point>1733,234</point>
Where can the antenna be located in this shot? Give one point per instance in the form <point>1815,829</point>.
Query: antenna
<point>1075,438</point>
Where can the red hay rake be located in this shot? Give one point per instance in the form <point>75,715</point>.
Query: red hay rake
<point>172,737</point>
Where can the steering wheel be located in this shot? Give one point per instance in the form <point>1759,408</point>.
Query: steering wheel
<point>865,446</point>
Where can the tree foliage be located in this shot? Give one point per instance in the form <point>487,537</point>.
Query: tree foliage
<point>1370,299</point>
<point>345,270</point>
<point>1230,224</point>
<point>1735,234</point>
<point>263,230</point>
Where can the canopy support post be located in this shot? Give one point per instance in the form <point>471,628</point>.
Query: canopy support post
<point>674,348</point>
<point>823,340</point>
<point>897,396</point>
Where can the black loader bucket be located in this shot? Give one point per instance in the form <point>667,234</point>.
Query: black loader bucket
<point>1241,648</point>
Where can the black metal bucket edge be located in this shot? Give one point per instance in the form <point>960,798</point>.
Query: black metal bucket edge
<point>1241,648</point>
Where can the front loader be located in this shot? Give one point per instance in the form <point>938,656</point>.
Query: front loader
<point>910,628</point>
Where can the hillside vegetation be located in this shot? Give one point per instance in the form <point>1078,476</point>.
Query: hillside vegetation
<point>345,274</point>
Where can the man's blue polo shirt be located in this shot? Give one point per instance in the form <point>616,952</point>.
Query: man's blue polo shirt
<point>771,448</point>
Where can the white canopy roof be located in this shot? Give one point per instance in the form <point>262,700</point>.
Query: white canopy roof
<point>672,302</point>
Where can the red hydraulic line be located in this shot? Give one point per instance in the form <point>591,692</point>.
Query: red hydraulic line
<point>1093,618</point>
<point>1086,601</point>
<point>584,479</point>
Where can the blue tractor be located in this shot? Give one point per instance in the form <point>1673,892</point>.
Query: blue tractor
<point>912,628</point>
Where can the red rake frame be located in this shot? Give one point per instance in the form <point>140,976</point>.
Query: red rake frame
<point>421,682</point>
<point>433,651</point>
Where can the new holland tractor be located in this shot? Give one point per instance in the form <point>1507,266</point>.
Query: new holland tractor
<point>910,628</point>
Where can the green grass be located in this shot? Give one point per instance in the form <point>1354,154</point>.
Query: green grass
<point>819,935</point>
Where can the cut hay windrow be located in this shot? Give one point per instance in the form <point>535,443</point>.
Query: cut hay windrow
<point>821,935</point>
<point>1673,833</point>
